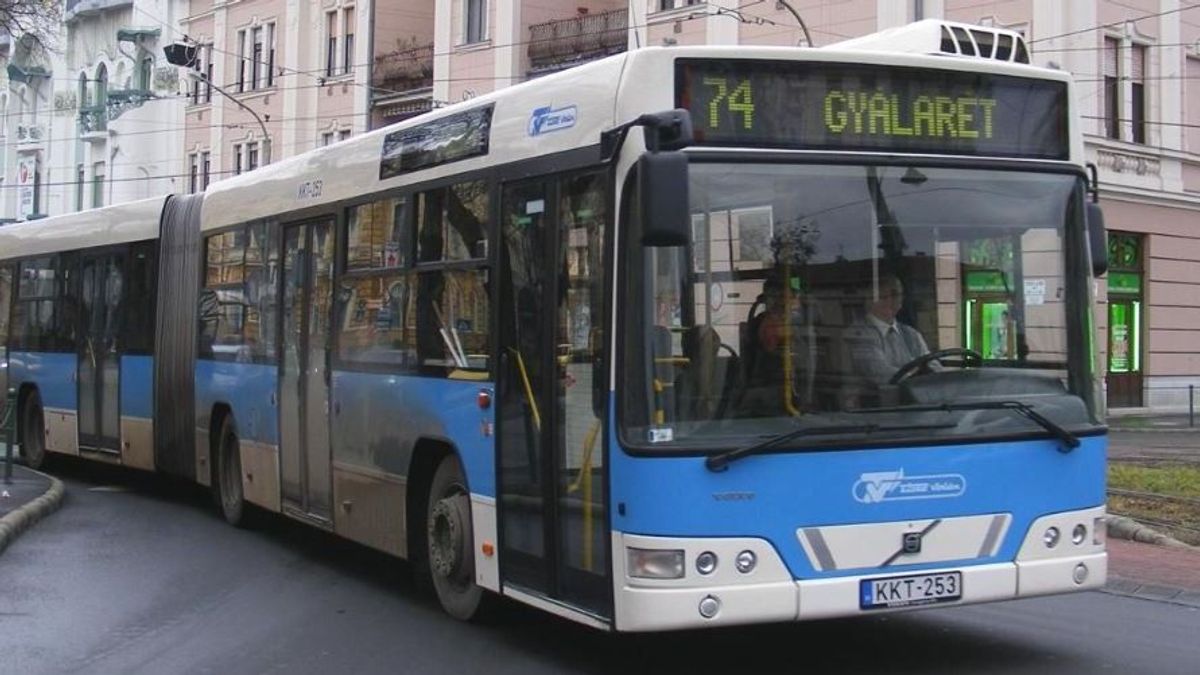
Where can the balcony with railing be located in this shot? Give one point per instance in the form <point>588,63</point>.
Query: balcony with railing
<point>562,43</point>
<point>93,119</point>
<point>402,83</point>
<point>31,133</point>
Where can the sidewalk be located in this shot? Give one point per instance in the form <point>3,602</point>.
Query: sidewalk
<point>1139,434</point>
<point>1154,572</point>
<point>29,498</point>
<point>1144,421</point>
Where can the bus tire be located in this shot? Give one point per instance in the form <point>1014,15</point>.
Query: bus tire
<point>33,433</point>
<point>449,542</point>
<point>227,478</point>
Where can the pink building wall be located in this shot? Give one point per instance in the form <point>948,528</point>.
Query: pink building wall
<point>1003,12</point>
<point>1172,283</point>
<point>402,24</point>
<point>827,22</point>
<point>472,67</point>
<point>686,26</point>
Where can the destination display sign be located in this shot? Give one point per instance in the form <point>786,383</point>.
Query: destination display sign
<point>444,140</point>
<point>852,106</point>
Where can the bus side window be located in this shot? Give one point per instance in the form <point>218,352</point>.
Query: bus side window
<point>452,222</point>
<point>223,306</point>
<point>452,321</point>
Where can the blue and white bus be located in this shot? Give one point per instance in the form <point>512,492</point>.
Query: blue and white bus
<point>694,336</point>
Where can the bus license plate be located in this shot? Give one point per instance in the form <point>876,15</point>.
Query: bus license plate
<point>910,591</point>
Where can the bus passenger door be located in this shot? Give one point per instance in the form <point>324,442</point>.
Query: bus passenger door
<point>101,294</point>
<point>554,532</point>
<point>304,374</point>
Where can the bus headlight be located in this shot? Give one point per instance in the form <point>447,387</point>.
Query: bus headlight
<point>1100,531</point>
<point>745,562</point>
<point>647,563</point>
<point>706,563</point>
<point>1079,534</point>
<point>1051,537</point>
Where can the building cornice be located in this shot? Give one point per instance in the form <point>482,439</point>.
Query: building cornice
<point>1174,200</point>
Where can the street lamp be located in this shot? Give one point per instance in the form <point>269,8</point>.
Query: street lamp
<point>788,7</point>
<point>184,55</point>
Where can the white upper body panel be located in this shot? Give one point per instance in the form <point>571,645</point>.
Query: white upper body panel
<point>119,224</point>
<point>598,96</point>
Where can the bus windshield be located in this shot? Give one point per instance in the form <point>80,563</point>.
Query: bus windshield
<point>830,294</point>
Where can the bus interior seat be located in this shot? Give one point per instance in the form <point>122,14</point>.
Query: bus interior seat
<point>706,387</point>
<point>747,337</point>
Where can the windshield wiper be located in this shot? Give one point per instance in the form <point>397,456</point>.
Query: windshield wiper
<point>720,461</point>
<point>1070,440</point>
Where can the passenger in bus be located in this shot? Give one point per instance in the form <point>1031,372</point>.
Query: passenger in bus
<point>764,353</point>
<point>879,343</point>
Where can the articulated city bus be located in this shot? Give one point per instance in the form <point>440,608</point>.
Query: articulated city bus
<point>685,337</point>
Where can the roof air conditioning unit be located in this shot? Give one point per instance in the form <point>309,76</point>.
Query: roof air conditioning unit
<point>946,38</point>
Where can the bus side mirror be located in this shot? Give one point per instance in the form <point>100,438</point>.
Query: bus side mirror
<point>1097,238</point>
<point>663,191</point>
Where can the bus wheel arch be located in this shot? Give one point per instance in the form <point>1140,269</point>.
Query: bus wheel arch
<point>31,426</point>
<point>440,533</point>
<point>225,465</point>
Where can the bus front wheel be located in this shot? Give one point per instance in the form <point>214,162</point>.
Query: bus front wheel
<point>227,481</point>
<point>33,433</point>
<point>450,547</point>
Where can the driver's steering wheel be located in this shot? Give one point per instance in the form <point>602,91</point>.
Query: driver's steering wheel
<point>921,363</point>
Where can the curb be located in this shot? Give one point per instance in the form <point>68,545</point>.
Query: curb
<point>1154,430</point>
<point>1121,527</point>
<point>21,519</point>
<point>1135,589</point>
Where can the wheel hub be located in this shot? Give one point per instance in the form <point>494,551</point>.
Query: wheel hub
<point>448,523</point>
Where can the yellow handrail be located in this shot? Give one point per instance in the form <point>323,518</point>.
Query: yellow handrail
<point>788,393</point>
<point>537,416</point>
<point>585,479</point>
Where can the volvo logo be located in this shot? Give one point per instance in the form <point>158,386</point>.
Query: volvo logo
<point>910,542</point>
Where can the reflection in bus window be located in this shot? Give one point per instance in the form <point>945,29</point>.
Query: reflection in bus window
<point>776,309</point>
<point>378,320</point>
<point>452,222</point>
<point>452,320</point>
<point>377,235</point>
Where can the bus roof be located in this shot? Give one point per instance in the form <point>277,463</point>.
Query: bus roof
<point>592,98</point>
<point>119,224</point>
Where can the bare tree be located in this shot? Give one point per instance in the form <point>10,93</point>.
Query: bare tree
<point>34,22</point>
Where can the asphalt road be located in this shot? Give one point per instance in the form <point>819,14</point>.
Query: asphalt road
<point>140,576</point>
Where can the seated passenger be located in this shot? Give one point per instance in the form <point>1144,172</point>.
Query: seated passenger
<point>764,355</point>
<point>879,344</point>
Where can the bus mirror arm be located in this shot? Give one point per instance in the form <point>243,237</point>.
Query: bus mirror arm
<point>666,130</point>
<point>1093,221</point>
<point>1097,238</point>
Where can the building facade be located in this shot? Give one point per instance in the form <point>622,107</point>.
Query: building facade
<point>94,120</point>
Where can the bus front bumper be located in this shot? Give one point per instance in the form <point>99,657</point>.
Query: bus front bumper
<point>725,597</point>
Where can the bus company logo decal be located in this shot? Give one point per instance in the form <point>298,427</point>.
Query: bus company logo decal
<point>894,486</point>
<point>548,119</point>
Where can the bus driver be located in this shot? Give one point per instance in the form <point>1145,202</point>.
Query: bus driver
<point>880,344</point>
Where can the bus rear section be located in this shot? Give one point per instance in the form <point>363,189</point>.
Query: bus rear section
<point>79,298</point>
